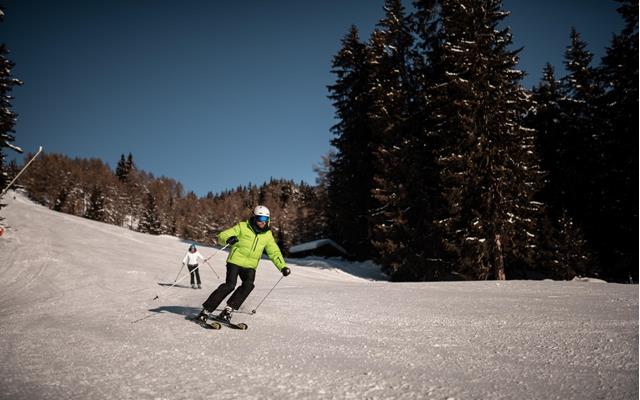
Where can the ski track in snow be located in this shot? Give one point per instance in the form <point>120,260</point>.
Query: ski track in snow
<point>71,289</point>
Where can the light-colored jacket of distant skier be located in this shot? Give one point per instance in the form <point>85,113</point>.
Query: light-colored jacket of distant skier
<point>191,258</point>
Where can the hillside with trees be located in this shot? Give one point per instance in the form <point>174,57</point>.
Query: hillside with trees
<point>133,198</point>
<point>444,165</point>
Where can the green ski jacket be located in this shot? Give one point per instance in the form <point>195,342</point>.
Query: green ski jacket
<point>251,244</point>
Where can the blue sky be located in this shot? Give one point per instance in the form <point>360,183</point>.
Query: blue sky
<point>218,94</point>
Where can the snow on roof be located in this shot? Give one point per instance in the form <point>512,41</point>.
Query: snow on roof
<point>314,244</point>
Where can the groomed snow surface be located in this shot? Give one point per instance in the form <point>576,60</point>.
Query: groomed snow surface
<point>77,321</point>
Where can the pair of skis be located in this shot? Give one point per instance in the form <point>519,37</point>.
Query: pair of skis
<point>213,322</point>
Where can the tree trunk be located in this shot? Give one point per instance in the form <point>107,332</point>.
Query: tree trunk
<point>499,260</point>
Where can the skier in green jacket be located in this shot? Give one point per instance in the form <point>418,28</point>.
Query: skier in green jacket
<point>248,240</point>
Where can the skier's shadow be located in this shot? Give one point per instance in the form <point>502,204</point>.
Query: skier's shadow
<point>187,312</point>
<point>190,311</point>
<point>180,310</point>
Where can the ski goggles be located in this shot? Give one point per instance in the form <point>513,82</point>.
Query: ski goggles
<point>262,218</point>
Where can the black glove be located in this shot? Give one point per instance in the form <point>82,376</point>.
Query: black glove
<point>285,271</point>
<point>232,240</point>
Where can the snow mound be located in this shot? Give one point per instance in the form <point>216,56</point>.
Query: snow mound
<point>366,269</point>
<point>585,279</point>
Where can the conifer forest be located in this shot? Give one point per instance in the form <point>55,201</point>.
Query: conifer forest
<point>444,166</point>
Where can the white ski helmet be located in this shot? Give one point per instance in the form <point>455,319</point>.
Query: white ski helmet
<point>261,211</point>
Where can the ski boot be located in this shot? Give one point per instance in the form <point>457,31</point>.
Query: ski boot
<point>203,316</point>
<point>225,315</point>
<point>199,286</point>
<point>204,319</point>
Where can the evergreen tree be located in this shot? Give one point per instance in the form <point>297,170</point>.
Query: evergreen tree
<point>150,222</point>
<point>310,216</point>
<point>121,169</point>
<point>61,200</point>
<point>318,210</point>
<point>548,119</point>
<point>351,174</point>
<point>130,165</point>
<point>392,119</point>
<point>563,252</point>
<point>124,168</point>
<point>489,167</point>
<point>12,170</point>
<point>618,179</point>
<point>96,208</point>
<point>581,160</point>
<point>134,194</point>
<point>287,200</point>
<point>7,116</point>
<point>421,179</point>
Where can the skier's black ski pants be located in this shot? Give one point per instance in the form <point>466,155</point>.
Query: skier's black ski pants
<point>196,273</point>
<point>247,275</point>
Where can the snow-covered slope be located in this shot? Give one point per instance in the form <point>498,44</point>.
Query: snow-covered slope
<point>77,321</point>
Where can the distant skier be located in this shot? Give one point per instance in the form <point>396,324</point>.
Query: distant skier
<point>248,240</point>
<point>191,259</point>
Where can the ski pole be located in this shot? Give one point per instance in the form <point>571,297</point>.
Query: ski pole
<point>20,173</point>
<point>214,271</point>
<point>208,258</point>
<point>274,286</point>
<point>179,273</point>
<point>190,272</point>
<point>176,282</point>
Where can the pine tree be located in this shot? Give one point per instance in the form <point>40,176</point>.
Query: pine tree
<point>288,199</point>
<point>392,121</point>
<point>62,198</point>
<point>124,168</point>
<point>7,116</point>
<point>132,191</point>
<point>562,251</point>
<point>130,165</point>
<point>310,216</point>
<point>351,174</point>
<point>424,259</point>
<point>12,170</point>
<point>489,167</point>
<point>150,222</point>
<point>581,159</point>
<point>548,119</point>
<point>318,209</point>
<point>96,208</point>
<point>618,179</point>
<point>582,132</point>
<point>121,169</point>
